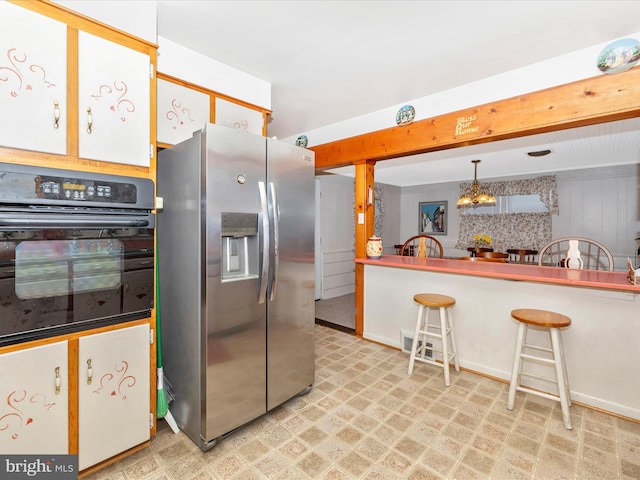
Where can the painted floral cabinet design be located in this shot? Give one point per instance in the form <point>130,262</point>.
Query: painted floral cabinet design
<point>34,400</point>
<point>113,102</point>
<point>114,91</point>
<point>181,111</point>
<point>33,81</point>
<point>239,117</point>
<point>113,393</point>
<point>114,405</point>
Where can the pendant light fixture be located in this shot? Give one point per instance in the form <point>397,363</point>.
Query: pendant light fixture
<point>475,196</point>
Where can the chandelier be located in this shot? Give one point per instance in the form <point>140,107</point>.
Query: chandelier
<point>475,196</point>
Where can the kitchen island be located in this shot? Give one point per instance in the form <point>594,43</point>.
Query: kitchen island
<point>601,345</point>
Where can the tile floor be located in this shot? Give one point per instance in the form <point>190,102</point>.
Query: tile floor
<point>366,419</point>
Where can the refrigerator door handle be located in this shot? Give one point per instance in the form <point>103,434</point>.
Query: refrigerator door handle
<point>264,276</point>
<point>276,230</point>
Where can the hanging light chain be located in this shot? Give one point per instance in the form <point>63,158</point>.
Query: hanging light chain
<point>475,196</point>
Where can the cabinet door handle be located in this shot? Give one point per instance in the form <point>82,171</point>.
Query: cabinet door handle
<point>89,120</point>
<point>56,114</point>
<point>89,372</point>
<point>58,381</point>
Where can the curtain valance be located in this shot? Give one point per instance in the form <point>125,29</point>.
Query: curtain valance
<point>546,187</point>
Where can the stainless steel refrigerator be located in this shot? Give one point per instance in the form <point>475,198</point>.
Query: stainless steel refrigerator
<point>236,276</point>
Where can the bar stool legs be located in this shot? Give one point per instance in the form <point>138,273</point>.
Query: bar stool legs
<point>552,321</point>
<point>423,331</point>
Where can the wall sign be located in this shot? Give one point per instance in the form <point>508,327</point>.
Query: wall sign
<point>464,125</point>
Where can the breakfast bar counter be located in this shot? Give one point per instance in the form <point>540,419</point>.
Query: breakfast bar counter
<point>601,345</point>
<point>511,271</point>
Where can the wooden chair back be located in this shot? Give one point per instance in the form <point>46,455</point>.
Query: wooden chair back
<point>518,255</point>
<point>576,252</point>
<point>422,245</point>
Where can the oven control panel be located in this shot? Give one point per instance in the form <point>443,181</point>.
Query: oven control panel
<point>43,186</point>
<point>79,190</point>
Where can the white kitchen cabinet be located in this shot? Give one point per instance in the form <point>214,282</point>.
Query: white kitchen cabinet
<point>33,81</point>
<point>34,412</point>
<point>237,116</point>
<point>113,102</point>
<point>181,111</point>
<point>113,393</point>
<point>106,118</point>
<point>114,400</point>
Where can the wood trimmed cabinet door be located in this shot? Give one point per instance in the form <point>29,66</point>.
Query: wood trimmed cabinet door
<point>237,116</point>
<point>114,405</point>
<point>181,112</point>
<point>33,81</point>
<point>113,102</point>
<point>35,400</point>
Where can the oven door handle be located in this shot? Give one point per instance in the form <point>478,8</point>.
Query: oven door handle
<point>61,221</point>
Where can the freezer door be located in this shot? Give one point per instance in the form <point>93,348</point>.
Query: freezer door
<point>290,306</point>
<point>180,279</point>
<point>234,323</point>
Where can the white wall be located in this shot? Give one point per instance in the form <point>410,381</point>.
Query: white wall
<point>185,64</point>
<point>337,222</point>
<point>391,221</point>
<point>538,76</point>
<point>337,234</point>
<point>139,20</point>
<point>335,257</point>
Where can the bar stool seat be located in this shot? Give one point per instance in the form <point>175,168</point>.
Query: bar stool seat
<point>552,321</point>
<point>424,330</point>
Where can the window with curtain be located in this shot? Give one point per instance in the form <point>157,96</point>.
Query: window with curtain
<point>513,230</point>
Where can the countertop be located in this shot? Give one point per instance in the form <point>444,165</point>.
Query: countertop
<point>511,271</point>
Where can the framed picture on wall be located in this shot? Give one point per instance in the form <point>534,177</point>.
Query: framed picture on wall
<point>432,217</point>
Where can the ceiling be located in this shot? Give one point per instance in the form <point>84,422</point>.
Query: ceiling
<point>329,61</point>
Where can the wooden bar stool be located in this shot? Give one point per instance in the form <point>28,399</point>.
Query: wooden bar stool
<point>444,303</point>
<point>553,322</point>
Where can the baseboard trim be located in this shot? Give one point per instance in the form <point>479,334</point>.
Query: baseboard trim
<point>335,326</point>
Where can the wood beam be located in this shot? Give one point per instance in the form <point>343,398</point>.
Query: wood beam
<point>585,102</point>
<point>364,210</point>
<point>364,221</point>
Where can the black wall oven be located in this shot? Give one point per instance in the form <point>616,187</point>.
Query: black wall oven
<point>76,251</point>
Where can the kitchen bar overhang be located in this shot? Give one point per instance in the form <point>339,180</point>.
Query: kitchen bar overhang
<point>510,271</point>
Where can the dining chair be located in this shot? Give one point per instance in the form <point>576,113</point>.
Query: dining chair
<point>422,245</point>
<point>576,253</point>
<point>522,255</point>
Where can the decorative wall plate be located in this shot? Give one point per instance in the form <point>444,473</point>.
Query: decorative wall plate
<point>405,115</point>
<point>302,141</point>
<point>619,56</point>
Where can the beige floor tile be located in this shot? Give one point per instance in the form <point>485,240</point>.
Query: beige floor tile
<point>478,461</point>
<point>366,419</point>
<point>438,462</point>
<point>630,469</point>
